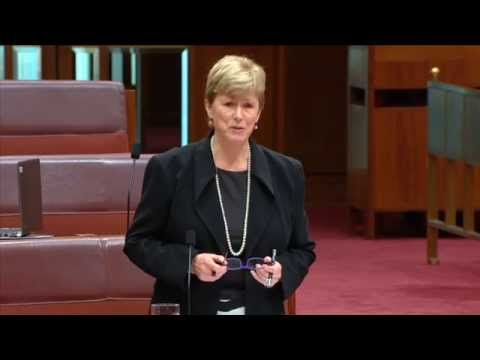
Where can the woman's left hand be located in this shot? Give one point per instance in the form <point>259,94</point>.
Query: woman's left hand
<point>262,272</point>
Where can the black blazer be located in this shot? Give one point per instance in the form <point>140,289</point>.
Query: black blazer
<point>179,194</point>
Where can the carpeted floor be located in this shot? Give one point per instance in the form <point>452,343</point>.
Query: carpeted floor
<point>353,275</point>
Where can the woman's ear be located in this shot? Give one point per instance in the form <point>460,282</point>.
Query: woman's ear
<point>258,116</point>
<point>207,108</point>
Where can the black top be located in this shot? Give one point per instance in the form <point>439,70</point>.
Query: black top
<point>233,186</point>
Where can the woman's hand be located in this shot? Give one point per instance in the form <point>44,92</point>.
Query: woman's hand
<point>262,272</point>
<point>209,267</point>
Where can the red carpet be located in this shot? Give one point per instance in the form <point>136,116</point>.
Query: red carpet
<point>353,275</point>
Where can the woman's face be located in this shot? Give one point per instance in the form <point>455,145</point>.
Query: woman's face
<point>234,116</point>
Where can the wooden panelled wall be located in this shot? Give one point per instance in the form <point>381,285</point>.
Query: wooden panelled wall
<point>369,152</point>
<point>388,121</point>
<point>315,120</point>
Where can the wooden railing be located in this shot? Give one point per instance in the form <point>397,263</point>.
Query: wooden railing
<point>453,148</point>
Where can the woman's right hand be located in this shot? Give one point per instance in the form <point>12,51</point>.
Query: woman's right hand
<point>209,267</point>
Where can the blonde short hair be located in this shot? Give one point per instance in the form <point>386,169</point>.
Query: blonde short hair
<point>235,74</point>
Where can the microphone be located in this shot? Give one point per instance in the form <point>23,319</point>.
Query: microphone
<point>190,241</point>
<point>136,151</point>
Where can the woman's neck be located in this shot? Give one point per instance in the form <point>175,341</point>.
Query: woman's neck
<point>231,157</point>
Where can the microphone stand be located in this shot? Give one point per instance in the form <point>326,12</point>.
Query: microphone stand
<point>190,241</point>
<point>189,280</point>
<point>134,155</point>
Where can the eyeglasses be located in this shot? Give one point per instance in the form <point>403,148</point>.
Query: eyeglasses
<point>237,264</point>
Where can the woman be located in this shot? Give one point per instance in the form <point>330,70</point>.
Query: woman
<point>244,202</point>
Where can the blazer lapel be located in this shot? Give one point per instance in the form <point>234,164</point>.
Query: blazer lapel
<point>262,198</point>
<point>206,199</point>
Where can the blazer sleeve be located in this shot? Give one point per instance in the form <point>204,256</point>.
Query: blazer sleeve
<point>145,244</point>
<point>300,252</point>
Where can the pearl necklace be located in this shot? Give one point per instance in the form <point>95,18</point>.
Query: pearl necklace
<point>247,206</point>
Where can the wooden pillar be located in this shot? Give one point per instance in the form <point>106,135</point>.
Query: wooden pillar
<point>9,62</point>
<point>49,62</point>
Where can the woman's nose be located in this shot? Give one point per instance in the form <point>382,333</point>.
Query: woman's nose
<point>237,113</point>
